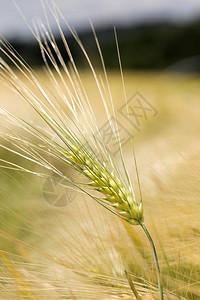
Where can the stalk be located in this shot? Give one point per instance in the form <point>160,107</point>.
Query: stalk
<point>155,260</point>
<point>137,296</point>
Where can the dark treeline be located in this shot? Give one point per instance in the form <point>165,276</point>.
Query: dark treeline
<point>152,46</point>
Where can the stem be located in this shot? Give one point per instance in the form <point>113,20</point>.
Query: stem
<point>155,260</point>
<point>137,296</point>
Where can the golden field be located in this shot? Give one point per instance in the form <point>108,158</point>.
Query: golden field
<point>79,251</point>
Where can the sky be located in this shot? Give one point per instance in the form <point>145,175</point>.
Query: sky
<point>101,12</point>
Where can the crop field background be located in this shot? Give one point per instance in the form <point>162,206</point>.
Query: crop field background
<point>76,250</point>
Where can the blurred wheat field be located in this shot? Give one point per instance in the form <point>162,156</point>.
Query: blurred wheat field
<point>79,251</point>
